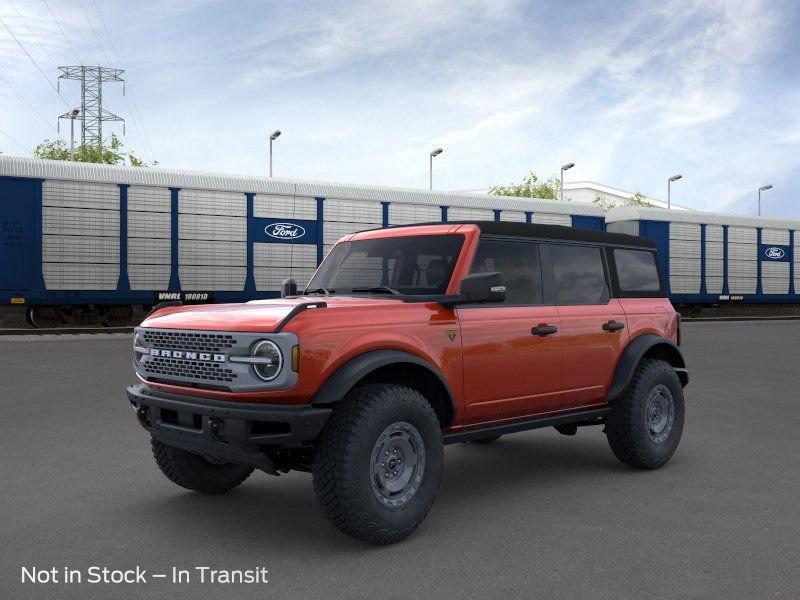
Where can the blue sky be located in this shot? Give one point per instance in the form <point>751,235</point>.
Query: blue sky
<point>632,92</point>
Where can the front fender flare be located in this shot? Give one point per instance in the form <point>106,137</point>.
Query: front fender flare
<point>634,353</point>
<point>353,371</point>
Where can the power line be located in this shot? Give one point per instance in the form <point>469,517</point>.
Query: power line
<point>33,36</point>
<point>66,39</point>
<point>35,64</point>
<point>135,112</point>
<point>15,141</point>
<point>32,107</point>
<point>96,37</point>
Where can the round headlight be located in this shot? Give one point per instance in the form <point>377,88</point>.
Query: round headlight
<point>270,360</point>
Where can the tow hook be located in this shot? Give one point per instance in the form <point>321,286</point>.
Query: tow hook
<point>215,425</point>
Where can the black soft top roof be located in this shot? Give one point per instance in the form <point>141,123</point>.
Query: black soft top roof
<point>551,232</point>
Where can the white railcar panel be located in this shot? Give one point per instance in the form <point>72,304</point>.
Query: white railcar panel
<point>742,235</point>
<point>80,194</point>
<point>144,251</point>
<point>80,276</point>
<point>685,284</point>
<point>74,248</point>
<point>332,231</point>
<point>742,268</point>
<point>460,213</point>
<point>206,202</point>
<point>684,231</point>
<point>775,277</point>
<point>684,266</point>
<point>714,285</point>
<point>714,233</point>
<point>742,285</point>
<point>76,221</point>
<point>149,199</point>
<point>352,211</point>
<point>202,252</point>
<point>714,267</point>
<point>626,227</point>
<point>208,278</point>
<point>149,277</point>
<point>407,214</point>
<point>775,236</point>
<point>210,227</point>
<point>514,216</point>
<point>285,255</point>
<point>743,252</point>
<point>149,225</point>
<point>269,279</point>
<point>684,249</point>
<point>715,249</point>
<point>284,207</point>
<point>551,219</point>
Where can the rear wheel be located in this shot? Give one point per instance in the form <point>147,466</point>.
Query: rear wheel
<point>193,472</point>
<point>378,463</point>
<point>645,425</point>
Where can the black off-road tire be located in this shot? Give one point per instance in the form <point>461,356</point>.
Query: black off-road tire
<point>487,440</point>
<point>345,482</point>
<point>628,427</point>
<point>193,472</point>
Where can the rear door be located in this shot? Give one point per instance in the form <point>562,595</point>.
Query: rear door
<point>593,324</point>
<point>508,370</point>
<point>17,241</point>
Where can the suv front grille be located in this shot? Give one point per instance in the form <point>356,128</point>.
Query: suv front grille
<point>174,368</point>
<point>188,340</point>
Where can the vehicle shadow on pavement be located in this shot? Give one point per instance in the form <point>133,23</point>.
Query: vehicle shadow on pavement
<point>277,513</point>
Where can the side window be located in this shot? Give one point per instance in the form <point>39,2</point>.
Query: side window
<point>518,262</point>
<point>579,274</point>
<point>636,271</point>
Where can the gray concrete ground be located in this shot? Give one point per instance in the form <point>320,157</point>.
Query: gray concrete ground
<point>534,515</point>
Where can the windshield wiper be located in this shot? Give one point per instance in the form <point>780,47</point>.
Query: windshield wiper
<point>378,289</point>
<point>323,291</point>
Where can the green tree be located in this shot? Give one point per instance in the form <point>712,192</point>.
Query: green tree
<point>530,187</point>
<point>606,203</point>
<point>110,154</point>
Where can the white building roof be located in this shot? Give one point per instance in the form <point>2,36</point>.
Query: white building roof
<point>156,176</point>
<point>635,213</point>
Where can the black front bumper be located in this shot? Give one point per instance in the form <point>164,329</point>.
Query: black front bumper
<point>227,431</point>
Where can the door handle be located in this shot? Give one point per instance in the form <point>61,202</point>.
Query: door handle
<point>543,330</point>
<point>613,326</point>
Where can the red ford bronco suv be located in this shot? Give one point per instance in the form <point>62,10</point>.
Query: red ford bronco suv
<point>407,339</point>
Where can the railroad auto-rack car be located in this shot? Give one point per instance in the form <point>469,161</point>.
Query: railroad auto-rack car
<point>85,243</point>
<point>712,258</point>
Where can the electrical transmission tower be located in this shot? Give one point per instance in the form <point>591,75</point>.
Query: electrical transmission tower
<point>92,114</point>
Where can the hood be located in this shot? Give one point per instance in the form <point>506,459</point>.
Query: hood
<point>261,316</point>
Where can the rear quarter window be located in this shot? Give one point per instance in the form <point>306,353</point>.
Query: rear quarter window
<point>637,271</point>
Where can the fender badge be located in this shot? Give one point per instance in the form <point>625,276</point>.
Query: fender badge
<point>452,333</point>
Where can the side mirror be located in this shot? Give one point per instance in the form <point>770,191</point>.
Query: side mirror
<point>483,287</point>
<point>288,287</point>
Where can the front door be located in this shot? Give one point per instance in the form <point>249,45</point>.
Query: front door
<point>512,350</point>
<point>593,324</point>
<point>17,206</point>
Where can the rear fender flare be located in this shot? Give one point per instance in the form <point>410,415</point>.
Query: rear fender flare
<point>636,350</point>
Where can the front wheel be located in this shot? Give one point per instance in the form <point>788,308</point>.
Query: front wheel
<point>378,463</point>
<point>645,424</point>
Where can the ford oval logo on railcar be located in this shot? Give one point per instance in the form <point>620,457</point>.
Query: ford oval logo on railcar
<point>774,253</point>
<point>285,231</point>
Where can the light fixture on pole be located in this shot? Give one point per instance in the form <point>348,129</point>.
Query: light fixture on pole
<point>435,152</point>
<point>669,183</point>
<point>72,116</point>
<point>565,167</point>
<point>275,135</point>
<point>763,188</point>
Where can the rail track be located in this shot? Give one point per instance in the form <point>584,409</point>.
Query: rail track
<point>64,330</point>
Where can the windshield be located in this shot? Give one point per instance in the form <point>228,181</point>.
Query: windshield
<point>408,265</point>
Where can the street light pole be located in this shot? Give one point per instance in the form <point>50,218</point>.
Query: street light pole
<point>72,115</point>
<point>669,182</point>
<point>435,152</point>
<point>272,138</point>
<point>763,188</point>
<point>565,167</point>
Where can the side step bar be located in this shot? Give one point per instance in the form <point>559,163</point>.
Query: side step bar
<point>583,417</point>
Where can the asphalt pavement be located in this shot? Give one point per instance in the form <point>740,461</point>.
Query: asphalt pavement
<point>535,515</point>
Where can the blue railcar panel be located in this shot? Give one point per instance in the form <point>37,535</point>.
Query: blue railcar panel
<point>282,231</point>
<point>586,222</point>
<point>18,233</point>
<point>658,231</point>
